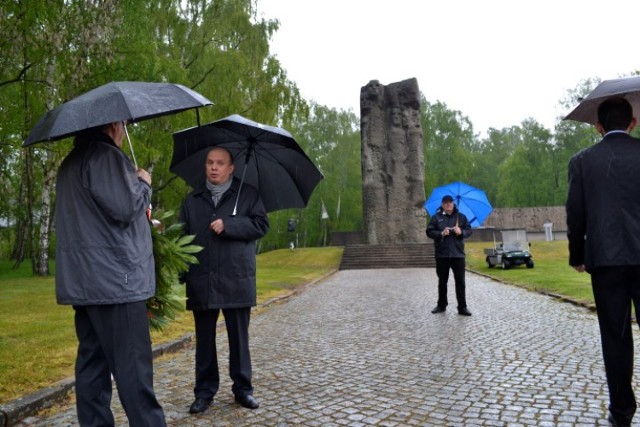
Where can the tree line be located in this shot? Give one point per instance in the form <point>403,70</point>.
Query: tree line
<point>56,50</point>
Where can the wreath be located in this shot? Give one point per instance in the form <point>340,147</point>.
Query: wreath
<point>172,253</point>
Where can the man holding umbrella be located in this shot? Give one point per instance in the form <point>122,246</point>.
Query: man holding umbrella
<point>226,219</point>
<point>105,269</point>
<point>603,228</point>
<point>104,254</point>
<point>448,228</point>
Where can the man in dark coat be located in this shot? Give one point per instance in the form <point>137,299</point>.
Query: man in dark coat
<point>603,228</point>
<point>105,269</point>
<point>225,277</point>
<point>448,228</point>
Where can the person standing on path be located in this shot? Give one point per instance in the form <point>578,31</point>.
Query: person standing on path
<point>225,276</point>
<point>448,228</point>
<point>603,228</point>
<point>105,269</point>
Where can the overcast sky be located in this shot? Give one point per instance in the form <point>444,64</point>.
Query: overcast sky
<point>498,62</point>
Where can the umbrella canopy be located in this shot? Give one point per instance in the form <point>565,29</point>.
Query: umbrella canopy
<point>114,102</point>
<point>626,87</point>
<point>471,201</point>
<point>266,157</point>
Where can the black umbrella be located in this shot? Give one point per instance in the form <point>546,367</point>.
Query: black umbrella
<point>266,157</point>
<point>626,87</point>
<point>114,102</point>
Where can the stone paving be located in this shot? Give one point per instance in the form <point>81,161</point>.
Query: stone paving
<point>361,348</point>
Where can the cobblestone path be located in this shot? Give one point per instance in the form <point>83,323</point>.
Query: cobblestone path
<point>361,348</point>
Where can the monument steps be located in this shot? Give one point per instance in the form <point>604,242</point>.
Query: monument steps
<point>365,257</point>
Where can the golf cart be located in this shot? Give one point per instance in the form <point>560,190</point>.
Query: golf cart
<point>511,252</point>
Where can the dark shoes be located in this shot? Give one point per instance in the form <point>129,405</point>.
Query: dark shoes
<point>461,311</point>
<point>199,405</point>
<point>464,311</point>
<point>248,401</point>
<point>614,423</point>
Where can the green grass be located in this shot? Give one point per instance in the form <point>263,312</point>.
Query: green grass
<point>37,336</point>
<point>551,273</point>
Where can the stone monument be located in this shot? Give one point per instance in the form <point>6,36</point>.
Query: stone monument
<point>392,163</point>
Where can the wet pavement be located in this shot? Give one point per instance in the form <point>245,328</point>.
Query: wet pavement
<point>361,348</point>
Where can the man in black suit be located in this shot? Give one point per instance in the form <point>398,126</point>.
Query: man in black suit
<point>226,220</point>
<point>603,227</point>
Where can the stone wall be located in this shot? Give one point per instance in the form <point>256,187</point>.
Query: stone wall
<point>392,162</point>
<point>531,219</point>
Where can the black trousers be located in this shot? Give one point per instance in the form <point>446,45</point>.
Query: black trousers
<point>114,340</point>
<point>207,374</point>
<point>443,265</point>
<point>614,289</point>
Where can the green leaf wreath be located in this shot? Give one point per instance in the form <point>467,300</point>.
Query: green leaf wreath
<point>172,252</point>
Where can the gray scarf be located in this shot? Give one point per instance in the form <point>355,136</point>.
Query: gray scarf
<point>218,190</point>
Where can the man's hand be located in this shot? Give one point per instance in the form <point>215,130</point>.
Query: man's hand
<point>217,226</point>
<point>579,268</point>
<point>144,175</point>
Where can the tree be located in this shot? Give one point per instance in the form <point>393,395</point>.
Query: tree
<point>489,155</point>
<point>57,50</point>
<point>524,178</point>
<point>448,142</point>
<point>47,63</point>
<point>331,139</point>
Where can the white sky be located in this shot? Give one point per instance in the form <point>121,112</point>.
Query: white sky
<point>497,61</point>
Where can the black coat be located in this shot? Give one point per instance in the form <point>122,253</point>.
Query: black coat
<point>603,203</point>
<point>226,274</point>
<point>450,246</point>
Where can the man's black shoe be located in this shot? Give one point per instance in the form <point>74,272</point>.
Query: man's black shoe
<point>438,309</point>
<point>614,423</point>
<point>464,311</point>
<point>199,405</point>
<point>248,401</point>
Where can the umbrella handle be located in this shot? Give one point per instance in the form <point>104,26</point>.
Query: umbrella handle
<point>244,171</point>
<point>133,155</point>
<point>235,207</point>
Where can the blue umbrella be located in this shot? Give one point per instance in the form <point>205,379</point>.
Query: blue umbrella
<point>471,201</point>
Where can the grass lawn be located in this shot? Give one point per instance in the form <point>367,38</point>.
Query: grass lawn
<point>551,272</point>
<point>37,336</point>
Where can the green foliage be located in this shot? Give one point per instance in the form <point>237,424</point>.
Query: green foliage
<point>172,253</point>
<point>533,157</point>
<point>331,139</point>
<point>448,141</point>
<point>56,50</point>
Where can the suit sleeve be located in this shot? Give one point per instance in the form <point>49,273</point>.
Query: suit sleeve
<point>465,226</point>
<point>433,232</point>
<point>183,216</point>
<point>576,215</point>
<point>250,226</point>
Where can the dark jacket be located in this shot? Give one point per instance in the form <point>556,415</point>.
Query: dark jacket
<point>226,274</point>
<point>104,253</point>
<point>603,203</point>
<point>450,246</point>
